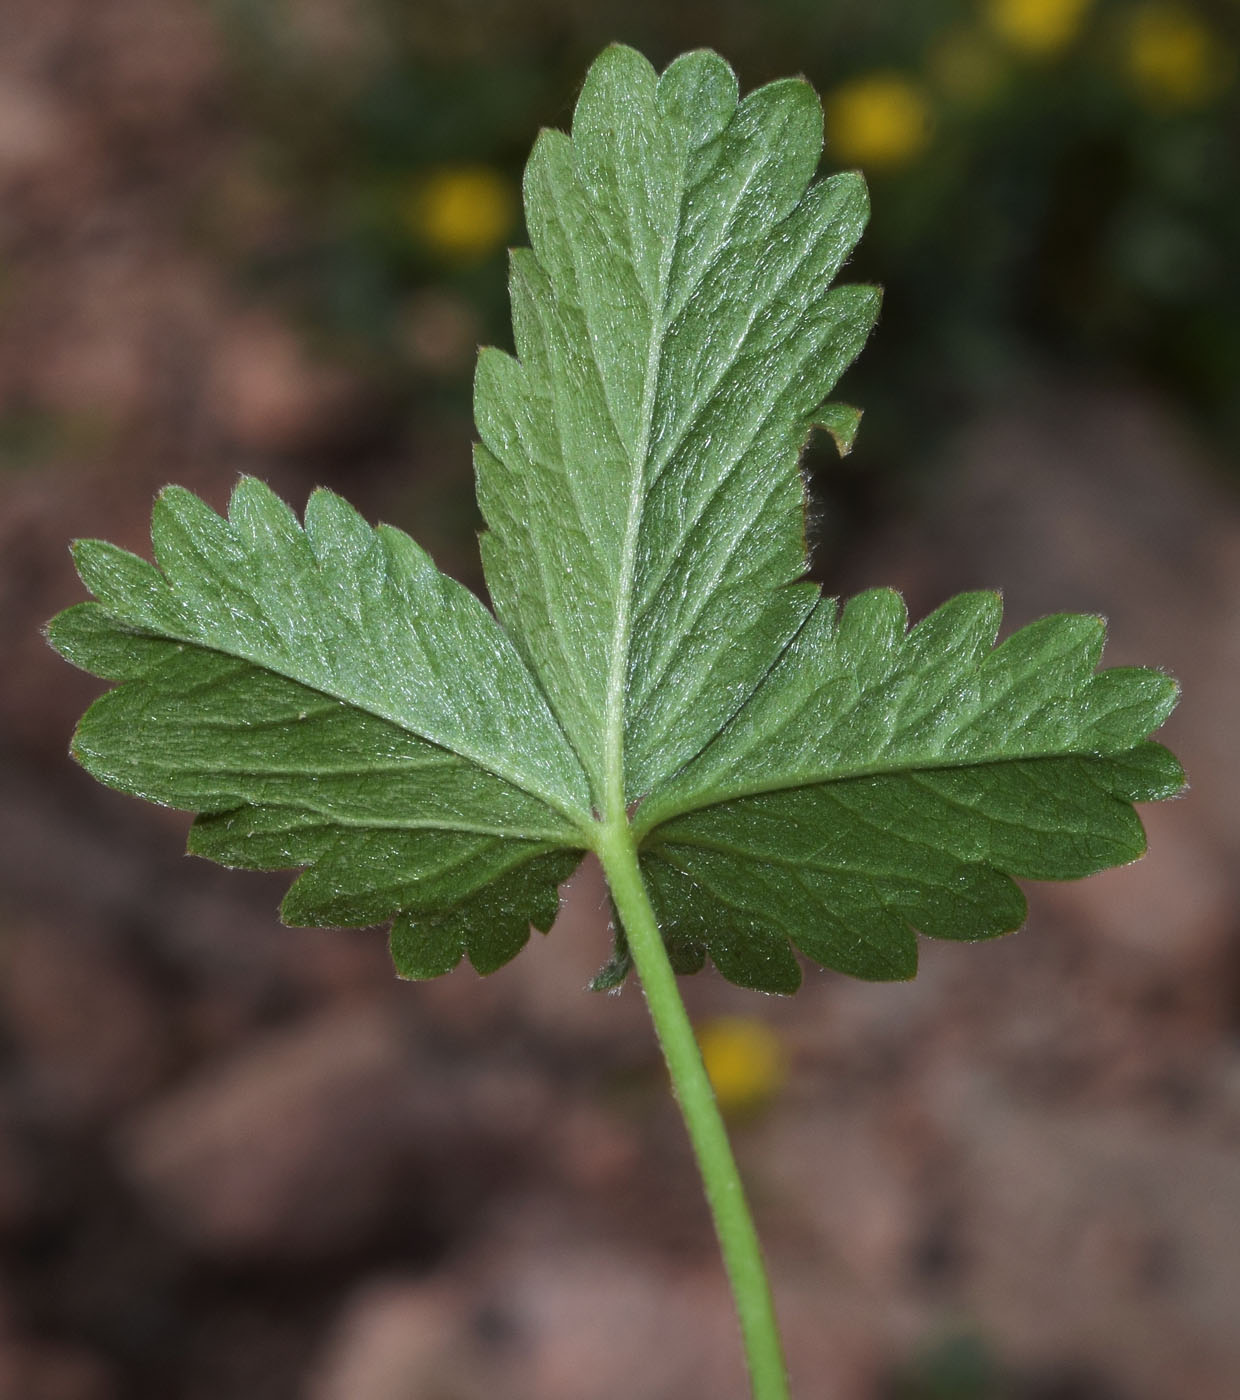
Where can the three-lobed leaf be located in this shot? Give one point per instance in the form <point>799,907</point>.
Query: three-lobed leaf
<point>799,777</point>
<point>883,780</point>
<point>325,698</point>
<point>676,336</point>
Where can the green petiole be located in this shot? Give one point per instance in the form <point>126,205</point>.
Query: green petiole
<point>738,1239</point>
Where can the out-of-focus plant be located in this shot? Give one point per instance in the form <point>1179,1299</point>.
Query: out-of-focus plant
<point>463,213</point>
<point>1039,27</point>
<point>745,1061</point>
<point>1055,179</point>
<point>880,121</point>
<point>1173,58</point>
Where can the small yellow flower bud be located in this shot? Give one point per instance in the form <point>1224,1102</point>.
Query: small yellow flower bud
<point>1039,28</point>
<point>878,120</point>
<point>462,212</point>
<point>745,1061</point>
<point>1173,59</point>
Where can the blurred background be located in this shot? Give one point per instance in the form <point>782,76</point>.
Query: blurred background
<point>242,1161</point>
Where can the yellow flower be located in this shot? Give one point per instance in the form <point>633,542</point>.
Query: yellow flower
<point>1036,27</point>
<point>745,1061</point>
<point>463,212</point>
<point>878,120</point>
<point>966,67</point>
<point>1173,58</point>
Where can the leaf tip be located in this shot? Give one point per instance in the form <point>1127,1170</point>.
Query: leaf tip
<point>422,950</point>
<point>86,554</point>
<point>620,64</point>
<point>176,499</point>
<point>840,421</point>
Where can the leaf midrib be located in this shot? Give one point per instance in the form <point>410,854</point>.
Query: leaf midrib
<point>551,839</point>
<point>654,817</point>
<point>615,777</point>
<point>572,815</point>
<point>614,797</point>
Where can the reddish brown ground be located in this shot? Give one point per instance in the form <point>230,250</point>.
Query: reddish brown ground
<point>240,1161</point>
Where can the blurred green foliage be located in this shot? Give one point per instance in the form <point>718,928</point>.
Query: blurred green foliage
<point>957,1366</point>
<point>1053,180</point>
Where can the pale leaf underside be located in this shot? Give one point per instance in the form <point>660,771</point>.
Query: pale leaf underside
<point>676,338</point>
<point>284,774</point>
<point>804,780</point>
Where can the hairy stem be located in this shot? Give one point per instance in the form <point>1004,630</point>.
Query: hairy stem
<point>742,1254</point>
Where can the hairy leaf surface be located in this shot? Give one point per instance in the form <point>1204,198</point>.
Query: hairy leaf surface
<point>676,337</point>
<point>885,780</point>
<point>801,779</point>
<point>287,686</point>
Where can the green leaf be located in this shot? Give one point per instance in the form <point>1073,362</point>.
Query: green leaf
<point>882,781</point>
<point>358,614</point>
<point>800,779</point>
<point>326,699</point>
<point>676,339</point>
